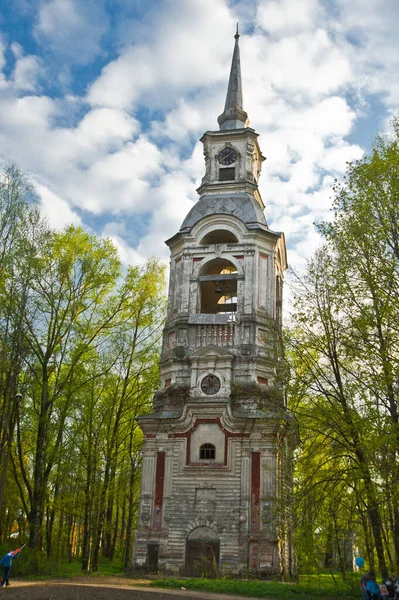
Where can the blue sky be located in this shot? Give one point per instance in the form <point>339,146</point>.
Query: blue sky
<point>102,102</point>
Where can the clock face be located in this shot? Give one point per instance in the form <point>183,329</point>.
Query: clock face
<point>227,156</point>
<point>210,385</point>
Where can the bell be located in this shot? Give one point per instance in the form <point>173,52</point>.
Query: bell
<point>218,289</point>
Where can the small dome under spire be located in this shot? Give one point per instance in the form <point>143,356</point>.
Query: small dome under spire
<point>234,116</point>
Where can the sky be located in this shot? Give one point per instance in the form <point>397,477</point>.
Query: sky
<point>103,102</point>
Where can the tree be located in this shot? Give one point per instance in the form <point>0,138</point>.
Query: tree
<point>21,232</point>
<point>365,236</point>
<point>135,348</point>
<point>326,396</point>
<point>68,307</point>
<point>79,345</point>
<point>344,346</point>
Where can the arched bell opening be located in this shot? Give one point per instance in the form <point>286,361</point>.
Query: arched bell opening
<point>202,553</point>
<point>219,236</point>
<point>218,287</point>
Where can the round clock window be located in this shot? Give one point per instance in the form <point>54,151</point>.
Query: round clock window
<point>210,385</point>
<point>227,156</point>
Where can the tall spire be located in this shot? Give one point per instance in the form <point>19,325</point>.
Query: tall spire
<point>234,116</point>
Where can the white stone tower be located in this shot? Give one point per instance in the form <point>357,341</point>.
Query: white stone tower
<point>215,448</point>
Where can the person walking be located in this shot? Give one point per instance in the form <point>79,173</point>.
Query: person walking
<point>372,587</point>
<point>6,561</point>
<point>369,586</point>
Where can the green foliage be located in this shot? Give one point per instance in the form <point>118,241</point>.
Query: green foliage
<point>26,566</point>
<point>343,350</point>
<point>309,587</point>
<point>79,343</point>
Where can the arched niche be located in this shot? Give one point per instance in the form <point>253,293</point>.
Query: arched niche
<point>218,287</point>
<point>219,236</point>
<point>229,224</point>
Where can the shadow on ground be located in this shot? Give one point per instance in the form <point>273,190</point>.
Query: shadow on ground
<point>24,590</point>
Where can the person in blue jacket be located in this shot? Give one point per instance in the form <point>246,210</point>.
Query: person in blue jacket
<point>369,586</point>
<point>6,561</point>
<point>372,587</point>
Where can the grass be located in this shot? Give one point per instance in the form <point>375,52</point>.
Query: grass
<point>49,569</point>
<point>309,586</point>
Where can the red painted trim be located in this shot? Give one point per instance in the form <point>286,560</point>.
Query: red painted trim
<point>264,257</point>
<point>188,448</point>
<point>226,447</point>
<point>198,258</point>
<point>199,421</point>
<point>159,484</point>
<point>255,492</point>
<point>150,436</point>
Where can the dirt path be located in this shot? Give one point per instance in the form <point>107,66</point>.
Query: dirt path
<point>107,588</point>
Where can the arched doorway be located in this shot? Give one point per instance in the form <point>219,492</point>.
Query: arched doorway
<point>202,553</point>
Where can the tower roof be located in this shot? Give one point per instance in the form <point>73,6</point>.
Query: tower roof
<point>240,205</point>
<point>234,115</point>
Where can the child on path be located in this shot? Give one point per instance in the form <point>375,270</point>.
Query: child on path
<point>6,561</point>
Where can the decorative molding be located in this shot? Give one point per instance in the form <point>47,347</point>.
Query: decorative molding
<point>213,223</point>
<point>209,351</point>
<point>227,434</point>
<point>202,521</point>
<point>228,255</point>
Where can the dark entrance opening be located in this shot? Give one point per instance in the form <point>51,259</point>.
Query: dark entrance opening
<point>202,553</point>
<point>152,558</point>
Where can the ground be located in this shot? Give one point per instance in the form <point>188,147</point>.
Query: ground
<point>109,588</point>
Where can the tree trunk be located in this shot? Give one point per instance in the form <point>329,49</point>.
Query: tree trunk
<point>107,547</point>
<point>130,514</point>
<point>396,531</point>
<point>87,524</point>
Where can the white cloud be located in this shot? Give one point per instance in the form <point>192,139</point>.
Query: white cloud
<point>287,16</point>
<point>72,28</point>
<point>27,112</point>
<point>300,67</point>
<point>17,49</point>
<point>372,28</point>
<point>189,44</point>
<point>55,209</point>
<point>303,73</point>
<point>337,157</point>
<point>193,115</point>
<point>117,182</point>
<point>3,63</point>
<point>100,131</point>
<point>26,74</point>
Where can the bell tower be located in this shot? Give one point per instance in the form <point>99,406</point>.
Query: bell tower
<point>215,445</point>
